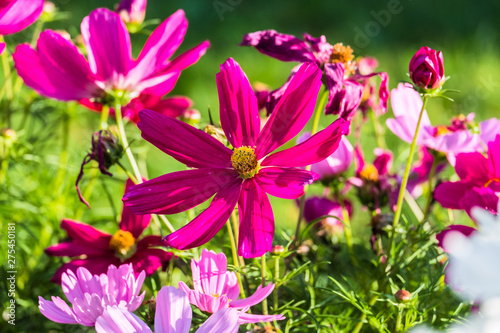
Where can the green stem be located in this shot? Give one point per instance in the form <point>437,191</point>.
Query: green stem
<point>399,320</point>
<point>348,231</point>
<point>263,275</point>
<point>104,117</point>
<point>275,293</point>
<point>376,127</point>
<point>8,84</point>
<point>429,195</point>
<point>319,110</point>
<point>399,208</point>
<point>358,327</point>
<point>235,258</point>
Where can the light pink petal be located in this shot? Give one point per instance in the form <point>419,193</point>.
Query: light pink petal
<point>18,14</point>
<point>183,142</point>
<point>131,222</point>
<point>249,318</point>
<point>239,113</point>
<point>119,320</point>
<point>286,183</point>
<point>177,191</point>
<point>293,110</point>
<point>57,70</point>
<point>57,310</point>
<point>449,194</point>
<point>209,273</point>
<point>209,222</point>
<point>173,312</point>
<point>158,85</point>
<point>489,129</point>
<point>188,58</point>
<point>260,294</point>
<point>457,142</point>
<point>205,302</point>
<point>224,320</point>
<point>108,46</point>
<point>313,150</point>
<point>160,46</point>
<point>256,221</point>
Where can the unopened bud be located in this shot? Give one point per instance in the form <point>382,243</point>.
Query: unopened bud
<point>191,116</point>
<point>427,69</point>
<point>402,295</point>
<point>277,249</point>
<point>132,13</point>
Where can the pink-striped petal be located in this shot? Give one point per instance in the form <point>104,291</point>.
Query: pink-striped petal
<point>160,46</point>
<point>108,47</point>
<point>116,319</point>
<point>286,183</point>
<point>249,318</point>
<point>173,312</point>
<point>19,14</point>
<point>293,110</point>
<point>188,58</point>
<point>260,294</point>
<point>177,191</point>
<point>57,310</point>
<point>224,320</point>
<point>57,70</point>
<point>256,221</point>
<point>209,222</point>
<point>315,149</point>
<point>183,142</point>
<point>239,113</point>
<point>205,302</point>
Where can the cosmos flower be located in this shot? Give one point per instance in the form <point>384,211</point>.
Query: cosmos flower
<point>96,249</point>
<point>173,314</point>
<point>215,288</point>
<point>244,175</point>
<point>57,69</point>
<point>15,15</point>
<point>91,294</point>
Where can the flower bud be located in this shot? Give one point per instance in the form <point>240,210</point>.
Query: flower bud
<point>132,12</point>
<point>426,69</point>
<point>277,250</point>
<point>402,296</point>
<point>191,116</point>
<point>49,11</point>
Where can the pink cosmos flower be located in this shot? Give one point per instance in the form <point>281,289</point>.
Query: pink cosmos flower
<point>344,84</point>
<point>91,294</point>
<point>215,288</point>
<point>244,175</point>
<point>173,315</point>
<point>58,70</point>
<point>335,164</point>
<point>479,181</point>
<point>96,249</point>
<point>15,15</point>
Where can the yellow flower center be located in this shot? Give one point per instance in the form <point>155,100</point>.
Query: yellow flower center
<point>121,242</point>
<point>245,162</point>
<point>344,55</point>
<point>369,172</point>
<point>440,130</point>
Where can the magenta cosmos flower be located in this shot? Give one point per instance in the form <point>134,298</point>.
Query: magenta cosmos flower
<point>215,288</point>
<point>91,294</point>
<point>173,314</point>
<point>331,211</point>
<point>58,70</point>
<point>427,69</point>
<point>344,82</point>
<point>479,181</point>
<point>244,175</point>
<point>15,15</point>
<point>96,249</point>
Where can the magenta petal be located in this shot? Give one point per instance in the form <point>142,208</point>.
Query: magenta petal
<point>260,294</point>
<point>188,58</point>
<point>473,166</point>
<point>131,222</point>
<point>95,265</point>
<point>209,222</point>
<point>293,110</point>
<point>72,249</point>
<point>178,191</point>
<point>173,312</point>
<point>382,161</point>
<point>449,194</point>
<point>249,318</point>
<point>17,15</point>
<point>183,142</point>
<point>315,149</point>
<point>82,233</point>
<point>2,47</point>
<point>463,229</point>
<point>160,46</point>
<point>57,70</point>
<point>239,113</point>
<point>481,197</point>
<point>494,157</point>
<point>286,183</point>
<point>256,221</point>
<point>108,46</point>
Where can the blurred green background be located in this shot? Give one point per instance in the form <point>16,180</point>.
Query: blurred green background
<point>467,32</point>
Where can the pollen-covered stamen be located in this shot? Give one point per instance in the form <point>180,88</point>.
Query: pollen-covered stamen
<point>369,172</point>
<point>344,55</point>
<point>121,242</point>
<point>245,162</point>
<point>440,130</point>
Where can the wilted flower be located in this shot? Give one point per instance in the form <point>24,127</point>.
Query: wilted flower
<point>215,288</point>
<point>91,294</point>
<point>173,315</point>
<point>426,69</point>
<point>106,151</point>
<point>244,175</point>
<point>96,249</point>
